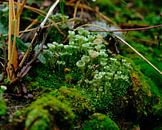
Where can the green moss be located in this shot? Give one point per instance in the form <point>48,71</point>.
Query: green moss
<point>47,112</point>
<point>57,108</point>
<point>153,54</point>
<point>79,103</point>
<point>38,119</point>
<point>100,122</point>
<point>43,78</point>
<point>141,98</point>
<point>109,85</point>
<point>138,14</point>
<point>3,108</point>
<point>158,111</point>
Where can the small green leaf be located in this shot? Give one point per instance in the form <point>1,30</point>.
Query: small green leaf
<point>3,30</point>
<point>21,45</point>
<point>41,58</point>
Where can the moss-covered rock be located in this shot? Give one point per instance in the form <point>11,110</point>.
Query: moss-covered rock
<point>46,113</point>
<point>57,109</point>
<point>80,104</point>
<point>100,121</point>
<point>109,84</point>
<point>37,119</point>
<point>141,99</point>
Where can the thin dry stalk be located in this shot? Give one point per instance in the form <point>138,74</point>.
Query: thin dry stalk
<point>96,11</point>
<point>75,11</point>
<point>29,26</point>
<point>14,27</point>
<point>38,11</point>
<point>139,54</point>
<point>120,39</point>
<point>10,43</point>
<point>101,29</point>
<point>49,13</point>
<point>37,33</point>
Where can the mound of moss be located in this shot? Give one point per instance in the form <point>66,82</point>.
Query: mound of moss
<point>104,83</point>
<point>99,121</point>
<point>46,113</point>
<point>81,105</point>
<point>3,108</point>
<point>57,109</point>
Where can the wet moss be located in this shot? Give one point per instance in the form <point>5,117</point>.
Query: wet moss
<point>57,109</point>
<point>100,121</point>
<point>141,98</point>
<point>3,108</point>
<point>47,112</point>
<point>37,119</point>
<point>80,104</point>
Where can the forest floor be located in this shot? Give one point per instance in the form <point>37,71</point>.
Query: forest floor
<point>99,67</point>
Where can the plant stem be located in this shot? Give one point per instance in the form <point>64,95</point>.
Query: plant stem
<point>14,27</point>
<point>139,54</point>
<point>49,13</point>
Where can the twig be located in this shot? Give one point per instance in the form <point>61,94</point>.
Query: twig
<point>43,14</point>
<point>29,48</point>
<point>118,30</point>
<point>98,13</point>
<point>131,29</point>
<point>46,26</point>
<point>29,26</point>
<point>38,11</point>
<point>104,17</point>
<point>91,25</point>
<point>28,65</point>
<point>123,41</point>
<point>137,29</point>
<point>22,71</point>
<point>49,25</point>
<point>21,7</point>
<point>37,33</point>
<point>56,26</point>
<point>49,13</point>
<point>97,26</point>
<point>75,11</point>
